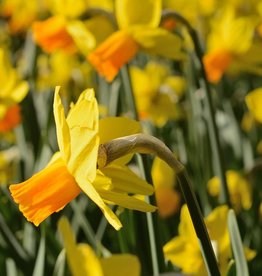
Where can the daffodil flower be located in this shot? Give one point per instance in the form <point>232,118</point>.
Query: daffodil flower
<point>83,261</point>
<point>63,31</point>
<point>73,168</point>
<point>230,39</point>
<point>184,251</point>
<point>157,98</point>
<point>12,92</point>
<point>138,30</point>
<point>20,13</point>
<point>239,190</point>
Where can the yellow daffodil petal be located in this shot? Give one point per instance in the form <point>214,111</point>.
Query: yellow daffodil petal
<point>183,254</point>
<point>19,92</point>
<point>135,12</point>
<point>186,227</point>
<point>91,192</point>
<point>90,261</point>
<point>159,41</point>
<point>118,265</point>
<point>83,38</point>
<point>249,253</point>
<point>102,181</point>
<point>81,258</point>
<point>125,180</point>
<point>126,201</point>
<point>254,103</point>
<point>68,8</point>
<point>62,129</point>
<point>162,174</point>
<point>83,127</point>
<point>115,127</point>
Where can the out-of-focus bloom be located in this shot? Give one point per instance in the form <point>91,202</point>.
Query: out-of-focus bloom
<point>20,13</point>
<point>184,250</point>
<point>164,180</point>
<point>73,168</point>
<point>83,261</point>
<point>74,74</point>
<point>254,103</point>
<point>12,92</point>
<point>138,23</point>
<point>157,98</point>
<point>63,31</point>
<point>231,37</point>
<point>51,34</point>
<point>239,190</point>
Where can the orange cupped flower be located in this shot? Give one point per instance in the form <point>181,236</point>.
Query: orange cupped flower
<point>113,53</point>
<point>216,63</point>
<point>51,34</point>
<point>46,192</point>
<point>11,118</point>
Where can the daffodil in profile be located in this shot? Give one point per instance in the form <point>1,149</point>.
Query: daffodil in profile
<point>184,250</point>
<point>74,169</point>
<point>82,260</point>
<point>229,42</point>
<point>138,30</point>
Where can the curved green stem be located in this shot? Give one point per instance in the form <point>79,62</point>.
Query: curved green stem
<point>212,127</point>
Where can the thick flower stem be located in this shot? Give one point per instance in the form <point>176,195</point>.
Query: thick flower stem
<point>142,143</point>
<point>212,127</point>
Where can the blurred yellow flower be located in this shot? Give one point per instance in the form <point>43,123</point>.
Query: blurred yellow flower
<point>138,23</point>
<point>83,261</point>
<point>184,250</point>
<point>157,98</point>
<point>73,168</point>
<point>239,190</point>
<point>164,180</point>
<point>254,103</point>
<point>230,37</point>
<point>74,75</point>
<point>20,13</point>
<point>12,92</point>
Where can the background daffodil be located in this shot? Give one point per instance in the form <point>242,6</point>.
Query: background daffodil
<point>184,251</point>
<point>83,261</point>
<point>239,190</point>
<point>157,98</point>
<point>138,30</point>
<point>12,91</point>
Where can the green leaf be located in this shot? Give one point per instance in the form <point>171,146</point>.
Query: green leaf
<point>40,259</point>
<point>237,246</point>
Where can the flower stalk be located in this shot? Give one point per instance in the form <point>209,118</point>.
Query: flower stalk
<point>212,127</point>
<point>146,144</point>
